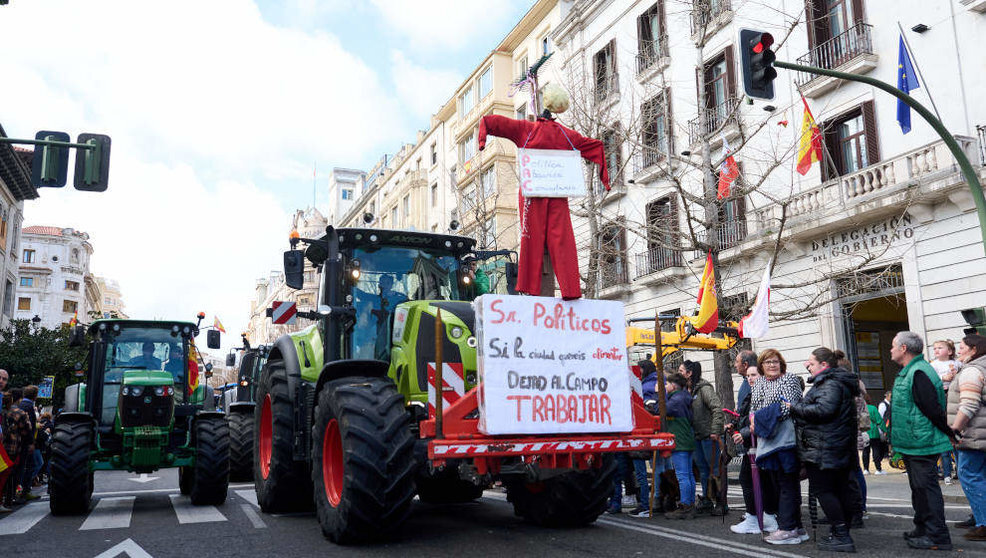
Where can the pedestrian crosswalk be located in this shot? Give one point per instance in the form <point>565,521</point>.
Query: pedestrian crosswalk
<point>118,512</point>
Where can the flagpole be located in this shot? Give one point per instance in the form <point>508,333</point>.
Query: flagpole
<point>914,60</point>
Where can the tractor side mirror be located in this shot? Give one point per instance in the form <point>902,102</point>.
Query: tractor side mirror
<point>213,338</point>
<point>231,359</point>
<point>294,269</point>
<point>77,336</point>
<point>78,371</point>
<point>208,370</point>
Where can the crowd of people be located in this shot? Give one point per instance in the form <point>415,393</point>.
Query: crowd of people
<point>25,434</point>
<point>786,432</point>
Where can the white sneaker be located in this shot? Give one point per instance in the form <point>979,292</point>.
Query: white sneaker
<point>770,523</point>
<point>948,481</point>
<point>803,534</point>
<point>880,473</point>
<point>784,537</point>
<point>748,526</point>
<point>865,472</point>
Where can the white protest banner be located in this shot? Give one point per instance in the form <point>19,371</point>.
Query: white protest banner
<point>551,173</point>
<point>549,366</point>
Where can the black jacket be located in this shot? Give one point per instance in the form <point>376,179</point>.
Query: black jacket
<point>827,420</point>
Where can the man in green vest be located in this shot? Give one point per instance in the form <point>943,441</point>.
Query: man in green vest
<point>920,432</point>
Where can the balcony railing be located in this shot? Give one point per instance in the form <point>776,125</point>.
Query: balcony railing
<point>715,119</point>
<point>705,12</point>
<point>885,177</point>
<point>838,50</point>
<point>651,52</point>
<point>607,86</point>
<point>613,273</point>
<point>657,259</point>
<point>730,234</point>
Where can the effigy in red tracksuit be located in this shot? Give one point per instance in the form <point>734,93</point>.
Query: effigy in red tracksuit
<point>546,220</point>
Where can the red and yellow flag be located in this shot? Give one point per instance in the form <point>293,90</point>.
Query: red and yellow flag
<point>810,145</point>
<point>75,320</point>
<point>193,367</point>
<point>708,307</point>
<point>218,325</point>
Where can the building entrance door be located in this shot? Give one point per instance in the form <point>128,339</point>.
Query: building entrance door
<point>874,309</point>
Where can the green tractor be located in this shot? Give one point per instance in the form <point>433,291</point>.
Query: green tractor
<point>343,410</point>
<point>142,407</point>
<point>239,404</point>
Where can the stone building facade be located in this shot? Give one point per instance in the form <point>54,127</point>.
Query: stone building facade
<point>55,283</point>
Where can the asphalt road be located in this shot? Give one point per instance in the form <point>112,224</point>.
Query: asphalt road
<point>145,516</point>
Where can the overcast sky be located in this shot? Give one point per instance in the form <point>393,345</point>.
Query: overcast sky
<point>218,111</point>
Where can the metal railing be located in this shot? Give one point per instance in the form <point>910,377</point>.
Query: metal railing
<point>715,118</point>
<point>705,12</point>
<point>657,259</point>
<point>613,273</point>
<point>651,52</point>
<point>607,86</point>
<point>838,50</point>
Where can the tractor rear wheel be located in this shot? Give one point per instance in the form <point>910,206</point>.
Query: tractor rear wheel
<point>211,471</point>
<point>185,478</point>
<point>240,445</point>
<point>572,499</point>
<point>363,463</point>
<point>71,480</point>
<point>282,484</point>
<point>446,487</point>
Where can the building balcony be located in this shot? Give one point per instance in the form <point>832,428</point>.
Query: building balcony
<point>879,190</point>
<point>649,163</point>
<point>720,120</point>
<point>657,260</point>
<point>607,89</point>
<point>653,58</point>
<point>981,137</point>
<point>850,52</point>
<point>974,5</point>
<point>709,16</point>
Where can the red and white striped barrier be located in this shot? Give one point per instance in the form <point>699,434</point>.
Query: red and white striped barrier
<point>445,448</point>
<point>453,385</point>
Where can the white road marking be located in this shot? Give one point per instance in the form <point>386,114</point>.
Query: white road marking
<point>249,496</point>
<point>127,548</point>
<point>143,478</point>
<point>187,513</point>
<point>158,490</point>
<point>253,516</point>
<point>23,519</point>
<point>110,513</point>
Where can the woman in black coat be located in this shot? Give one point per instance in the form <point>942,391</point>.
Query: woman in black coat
<point>827,441</point>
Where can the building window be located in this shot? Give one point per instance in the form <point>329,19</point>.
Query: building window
<point>488,182</point>
<point>652,40</point>
<point>522,112</point>
<point>406,205</point>
<point>469,196</point>
<point>24,303</point>
<point>612,255</point>
<point>655,117</point>
<point>663,236</point>
<point>466,101</point>
<point>347,194</point>
<point>434,154</point>
<point>107,300</point>
<point>72,286</point>
<point>613,150</point>
<point>545,46</point>
<point>522,67</point>
<point>434,195</point>
<point>29,256</point>
<point>74,257</point>
<point>486,83</point>
<point>467,149</point>
<point>604,66</point>
<point>70,306</point>
<point>27,281</point>
<point>720,88</point>
<point>393,216</point>
<point>732,222</point>
<point>8,298</point>
<point>852,142</point>
<point>373,207</point>
<point>4,220</point>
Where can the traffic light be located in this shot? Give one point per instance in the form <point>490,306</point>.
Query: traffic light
<point>976,317</point>
<point>49,167</point>
<point>757,63</point>
<point>92,166</point>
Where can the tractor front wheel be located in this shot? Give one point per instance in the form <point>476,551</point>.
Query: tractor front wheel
<point>363,460</point>
<point>71,480</point>
<point>211,470</point>
<point>573,499</point>
<point>282,484</point>
<point>241,445</point>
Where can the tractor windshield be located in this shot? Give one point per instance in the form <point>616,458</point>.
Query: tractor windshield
<point>149,349</point>
<point>390,275</point>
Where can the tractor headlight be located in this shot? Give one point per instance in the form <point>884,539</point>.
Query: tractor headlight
<point>455,332</point>
<point>244,383</point>
<point>161,391</point>
<point>136,391</point>
<point>125,390</point>
<point>471,342</point>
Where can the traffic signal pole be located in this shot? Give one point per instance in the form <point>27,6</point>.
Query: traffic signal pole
<point>967,171</point>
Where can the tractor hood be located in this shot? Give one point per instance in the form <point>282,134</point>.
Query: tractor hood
<point>141,377</point>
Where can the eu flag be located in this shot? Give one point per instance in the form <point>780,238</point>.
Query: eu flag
<point>906,81</point>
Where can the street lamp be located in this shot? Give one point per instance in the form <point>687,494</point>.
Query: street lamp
<point>36,322</point>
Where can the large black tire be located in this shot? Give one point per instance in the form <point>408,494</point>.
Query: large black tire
<point>446,487</point>
<point>363,465</point>
<point>282,484</point>
<point>572,499</point>
<point>71,481</point>
<point>211,470</point>
<point>185,478</point>
<point>240,445</point>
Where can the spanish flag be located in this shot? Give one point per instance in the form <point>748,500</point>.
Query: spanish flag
<point>193,368</point>
<point>75,320</point>
<point>218,325</point>
<point>810,146</point>
<point>708,307</point>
